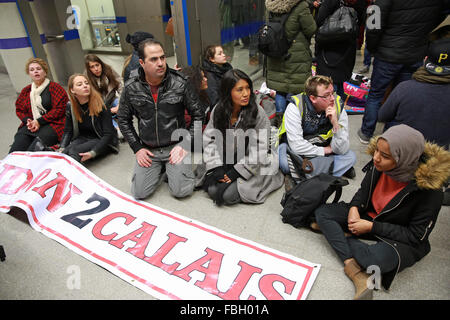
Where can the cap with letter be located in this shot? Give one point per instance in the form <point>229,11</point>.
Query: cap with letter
<point>438,57</point>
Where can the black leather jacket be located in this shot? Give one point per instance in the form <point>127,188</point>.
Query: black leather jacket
<point>157,121</point>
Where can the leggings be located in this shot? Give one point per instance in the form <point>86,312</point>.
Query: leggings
<point>332,220</point>
<point>24,138</point>
<point>80,145</point>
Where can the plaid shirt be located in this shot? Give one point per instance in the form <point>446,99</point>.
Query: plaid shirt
<point>55,116</point>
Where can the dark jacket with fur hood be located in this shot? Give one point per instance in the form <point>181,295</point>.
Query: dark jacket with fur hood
<point>407,220</point>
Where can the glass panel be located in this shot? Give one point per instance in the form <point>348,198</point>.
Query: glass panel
<point>97,25</point>
<point>240,21</point>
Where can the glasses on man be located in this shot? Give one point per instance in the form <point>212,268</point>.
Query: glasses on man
<point>328,96</point>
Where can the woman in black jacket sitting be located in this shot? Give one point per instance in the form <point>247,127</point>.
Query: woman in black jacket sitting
<point>200,84</point>
<point>215,65</point>
<point>88,131</point>
<point>397,206</point>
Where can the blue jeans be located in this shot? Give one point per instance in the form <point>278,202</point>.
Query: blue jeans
<point>339,89</point>
<point>114,116</point>
<point>342,162</point>
<point>367,58</point>
<point>281,101</point>
<point>383,74</point>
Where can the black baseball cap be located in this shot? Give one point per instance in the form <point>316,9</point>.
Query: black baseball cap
<point>438,60</point>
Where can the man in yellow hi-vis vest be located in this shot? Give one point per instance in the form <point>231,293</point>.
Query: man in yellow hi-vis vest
<point>315,126</point>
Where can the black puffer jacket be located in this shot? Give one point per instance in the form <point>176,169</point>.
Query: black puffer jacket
<point>214,74</point>
<point>405,26</point>
<point>156,121</point>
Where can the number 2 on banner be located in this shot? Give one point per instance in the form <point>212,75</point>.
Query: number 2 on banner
<point>73,217</point>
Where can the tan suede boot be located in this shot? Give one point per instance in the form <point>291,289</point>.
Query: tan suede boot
<point>359,278</point>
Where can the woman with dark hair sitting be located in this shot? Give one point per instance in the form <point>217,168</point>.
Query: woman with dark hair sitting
<point>41,109</point>
<point>241,166</point>
<point>89,131</point>
<point>200,83</point>
<point>106,81</point>
<point>397,205</point>
<point>215,65</point>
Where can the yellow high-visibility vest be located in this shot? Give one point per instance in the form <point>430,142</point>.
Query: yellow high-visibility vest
<point>298,100</point>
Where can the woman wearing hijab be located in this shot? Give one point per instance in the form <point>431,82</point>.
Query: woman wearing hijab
<point>41,109</point>
<point>397,206</point>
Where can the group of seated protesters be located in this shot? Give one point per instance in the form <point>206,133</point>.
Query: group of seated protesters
<point>397,204</point>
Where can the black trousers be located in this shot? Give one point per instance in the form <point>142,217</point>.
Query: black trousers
<point>80,145</point>
<point>24,138</point>
<point>332,220</point>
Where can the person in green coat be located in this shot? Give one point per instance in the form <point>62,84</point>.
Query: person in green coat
<point>288,76</point>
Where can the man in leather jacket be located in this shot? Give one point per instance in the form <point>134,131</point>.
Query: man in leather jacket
<point>158,97</point>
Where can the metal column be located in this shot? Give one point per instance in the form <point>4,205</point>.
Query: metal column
<point>196,25</point>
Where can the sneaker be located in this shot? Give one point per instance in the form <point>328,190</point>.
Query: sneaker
<point>363,138</point>
<point>365,69</point>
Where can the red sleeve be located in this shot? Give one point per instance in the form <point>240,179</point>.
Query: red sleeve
<point>59,102</point>
<point>23,109</point>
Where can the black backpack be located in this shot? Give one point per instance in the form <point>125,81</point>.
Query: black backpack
<point>301,201</point>
<point>272,40</point>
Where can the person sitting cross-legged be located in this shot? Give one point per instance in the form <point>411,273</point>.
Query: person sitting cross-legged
<point>315,127</point>
<point>397,206</point>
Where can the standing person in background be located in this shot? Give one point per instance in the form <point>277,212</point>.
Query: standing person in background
<point>287,75</point>
<point>419,102</point>
<point>41,109</point>
<point>88,132</point>
<point>336,60</point>
<point>215,65</point>
<point>131,64</point>
<point>398,45</point>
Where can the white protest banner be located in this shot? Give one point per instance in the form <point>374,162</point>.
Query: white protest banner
<point>161,252</point>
